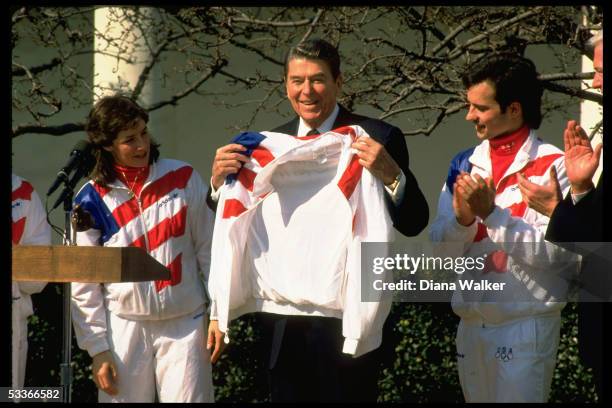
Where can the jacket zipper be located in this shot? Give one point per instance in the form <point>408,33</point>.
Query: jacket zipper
<point>144,224</point>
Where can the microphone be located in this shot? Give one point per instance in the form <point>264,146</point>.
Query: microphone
<point>80,151</point>
<point>84,167</point>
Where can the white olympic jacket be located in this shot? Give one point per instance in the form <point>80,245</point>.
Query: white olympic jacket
<point>29,227</point>
<point>171,221</point>
<point>288,231</point>
<point>537,273</point>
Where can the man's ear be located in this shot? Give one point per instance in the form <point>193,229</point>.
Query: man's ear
<point>286,85</point>
<point>515,109</point>
<point>339,82</point>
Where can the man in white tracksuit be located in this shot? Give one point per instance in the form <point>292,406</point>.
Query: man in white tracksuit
<point>29,227</point>
<point>507,340</point>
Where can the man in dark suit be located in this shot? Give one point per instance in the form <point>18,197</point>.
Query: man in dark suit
<point>578,218</point>
<point>306,362</point>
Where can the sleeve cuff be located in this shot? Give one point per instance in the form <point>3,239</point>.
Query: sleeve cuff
<point>98,347</point>
<point>214,193</point>
<point>398,193</point>
<point>213,310</point>
<point>578,197</point>
<point>497,218</point>
<point>459,232</point>
<point>350,346</point>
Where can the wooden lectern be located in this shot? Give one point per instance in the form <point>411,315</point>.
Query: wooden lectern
<point>57,263</point>
<point>87,264</point>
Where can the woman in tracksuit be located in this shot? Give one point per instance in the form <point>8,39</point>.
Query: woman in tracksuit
<point>145,338</point>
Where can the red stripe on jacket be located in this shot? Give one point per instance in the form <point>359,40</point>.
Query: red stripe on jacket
<point>536,167</point>
<point>129,210</point>
<point>350,177</point>
<point>176,179</point>
<point>140,242</point>
<point>23,192</point>
<point>246,177</point>
<point>18,227</point>
<point>126,212</point>
<point>262,155</point>
<point>346,130</point>
<point>233,208</point>
<point>176,268</point>
<point>102,191</point>
<point>169,228</point>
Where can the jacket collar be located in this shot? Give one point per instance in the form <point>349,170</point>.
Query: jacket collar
<point>117,183</point>
<point>481,156</point>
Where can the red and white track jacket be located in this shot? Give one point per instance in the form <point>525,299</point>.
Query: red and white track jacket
<point>534,269</point>
<point>288,232</point>
<point>171,221</point>
<point>29,227</point>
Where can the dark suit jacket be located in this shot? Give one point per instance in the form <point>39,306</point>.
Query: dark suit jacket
<point>410,217</point>
<point>582,222</point>
<point>572,225</point>
<point>579,223</point>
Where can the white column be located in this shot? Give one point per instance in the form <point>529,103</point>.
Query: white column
<point>117,36</point>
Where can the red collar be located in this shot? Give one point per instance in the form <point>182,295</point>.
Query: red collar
<point>509,144</point>
<point>132,173</point>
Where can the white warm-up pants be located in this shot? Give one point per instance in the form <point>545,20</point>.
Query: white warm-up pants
<point>169,356</point>
<point>513,362</point>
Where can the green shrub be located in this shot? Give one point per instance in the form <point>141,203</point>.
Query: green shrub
<point>422,367</point>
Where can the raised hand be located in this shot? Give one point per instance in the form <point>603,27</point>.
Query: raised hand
<point>544,198</point>
<point>374,157</point>
<point>463,213</point>
<point>228,160</point>
<point>478,193</point>
<point>581,161</point>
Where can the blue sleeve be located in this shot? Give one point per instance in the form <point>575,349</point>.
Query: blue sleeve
<point>458,164</point>
<point>250,140</point>
<point>90,201</point>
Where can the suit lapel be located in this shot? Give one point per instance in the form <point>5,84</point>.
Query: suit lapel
<point>290,128</point>
<point>344,118</point>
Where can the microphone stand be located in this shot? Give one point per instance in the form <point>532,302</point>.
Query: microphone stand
<point>69,239</point>
<point>65,366</point>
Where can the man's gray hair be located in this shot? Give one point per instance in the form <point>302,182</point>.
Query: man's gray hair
<point>596,39</point>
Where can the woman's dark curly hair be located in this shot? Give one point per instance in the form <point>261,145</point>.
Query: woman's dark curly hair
<point>109,116</point>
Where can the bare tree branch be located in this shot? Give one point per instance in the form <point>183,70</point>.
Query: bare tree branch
<point>565,76</point>
<point>401,61</point>
<point>315,20</point>
<point>175,98</point>
<point>48,130</point>
<point>283,24</point>
<point>455,53</point>
<point>595,129</point>
<point>589,96</point>
<point>21,71</point>
<point>451,36</point>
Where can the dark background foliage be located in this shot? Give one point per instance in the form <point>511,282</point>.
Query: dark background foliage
<point>422,367</point>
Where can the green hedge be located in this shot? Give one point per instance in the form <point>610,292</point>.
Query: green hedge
<point>423,367</point>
